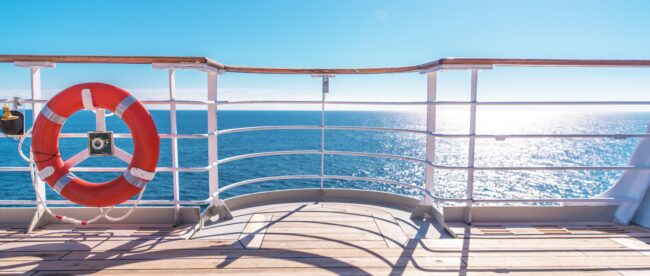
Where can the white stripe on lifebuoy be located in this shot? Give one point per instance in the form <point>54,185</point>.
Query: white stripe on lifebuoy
<point>63,181</point>
<point>46,172</point>
<point>52,116</point>
<point>142,174</point>
<point>133,180</point>
<point>124,105</point>
<point>87,99</point>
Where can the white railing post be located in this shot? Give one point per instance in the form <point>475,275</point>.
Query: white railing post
<point>471,148</point>
<point>325,90</point>
<point>35,73</point>
<point>35,79</point>
<point>431,140</point>
<point>322,130</point>
<point>213,157</point>
<point>174,140</point>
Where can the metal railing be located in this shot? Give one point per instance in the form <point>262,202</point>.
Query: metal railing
<point>213,69</point>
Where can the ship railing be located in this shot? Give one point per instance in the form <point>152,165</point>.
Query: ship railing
<point>430,197</point>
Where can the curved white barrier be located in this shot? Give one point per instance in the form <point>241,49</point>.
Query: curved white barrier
<point>634,184</point>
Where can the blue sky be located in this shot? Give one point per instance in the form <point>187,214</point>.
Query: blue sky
<point>336,34</point>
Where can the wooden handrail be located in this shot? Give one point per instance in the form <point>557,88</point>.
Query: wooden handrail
<point>342,71</point>
<point>110,59</point>
<point>468,62</point>
<point>539,62</point>
<point>434,65</point>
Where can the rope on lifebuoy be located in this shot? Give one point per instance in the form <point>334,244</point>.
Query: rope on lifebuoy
<point>104,212</point>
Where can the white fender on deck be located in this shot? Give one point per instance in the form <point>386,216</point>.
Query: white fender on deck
<point>634,184</point>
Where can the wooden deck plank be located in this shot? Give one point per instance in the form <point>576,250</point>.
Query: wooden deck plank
<point>557,230</point>
<point>319,239</point>
<point>320,224</point>
<point>505,264</point>
<point>330,218</point>
<point>301,253</point>
<point>296,236</point>
<point>32,255</point>
<point>325,230</point>
<point>559,262</point>
<point>391,231</point>
<point>48,246</point>
<point>253,233</point>
<point>275,272</point>
<point>232,263</point>
<point>323,244</point>
<point>166,245</point>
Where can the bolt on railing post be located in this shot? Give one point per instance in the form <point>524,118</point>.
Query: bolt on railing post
<point>471,148</point>
<point>431,140</point>
<point>213,157</point>
<point>174,140</point>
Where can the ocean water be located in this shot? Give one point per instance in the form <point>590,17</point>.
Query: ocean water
<point>449,183</point>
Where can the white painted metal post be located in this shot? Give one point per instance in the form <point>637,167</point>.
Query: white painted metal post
<point>431,140</point>
<point>174,140</point>
<point>213,157</point>
<point>471,148</point>
<point>36,109</point>
<point>326,87</point>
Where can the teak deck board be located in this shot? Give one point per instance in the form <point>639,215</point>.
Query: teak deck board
<point>323,240</point>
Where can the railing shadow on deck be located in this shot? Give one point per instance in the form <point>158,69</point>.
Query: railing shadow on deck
<point>142,250</point>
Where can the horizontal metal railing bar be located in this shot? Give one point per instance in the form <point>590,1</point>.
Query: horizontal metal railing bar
<point>558,200</point>
<point>563,168</point>
<point>260,128</point>
<point>178,102</point>
<point>156,102</point>
<point>110,169</point>
<point>438,166</point>
<point>269,153</point>
<point>568,135</point>
<point>441,103</point>
<point>316,127</point>
<point>127,135</point>
<point>439,135</point>
<point>339,177</point>
<point>321,102</point>
<point>442,199</point>
<point>128,202</point>
<point>559,103</point>
<point>382,155</point>
<point>376,129</point>
<point>308,152</point>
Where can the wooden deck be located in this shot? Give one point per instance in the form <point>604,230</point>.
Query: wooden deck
<point>327,239</point>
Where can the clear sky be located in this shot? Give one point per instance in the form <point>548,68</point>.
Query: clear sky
<point>336,34</point>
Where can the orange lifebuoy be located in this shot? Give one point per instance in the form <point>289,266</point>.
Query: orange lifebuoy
<point>56,172</point>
